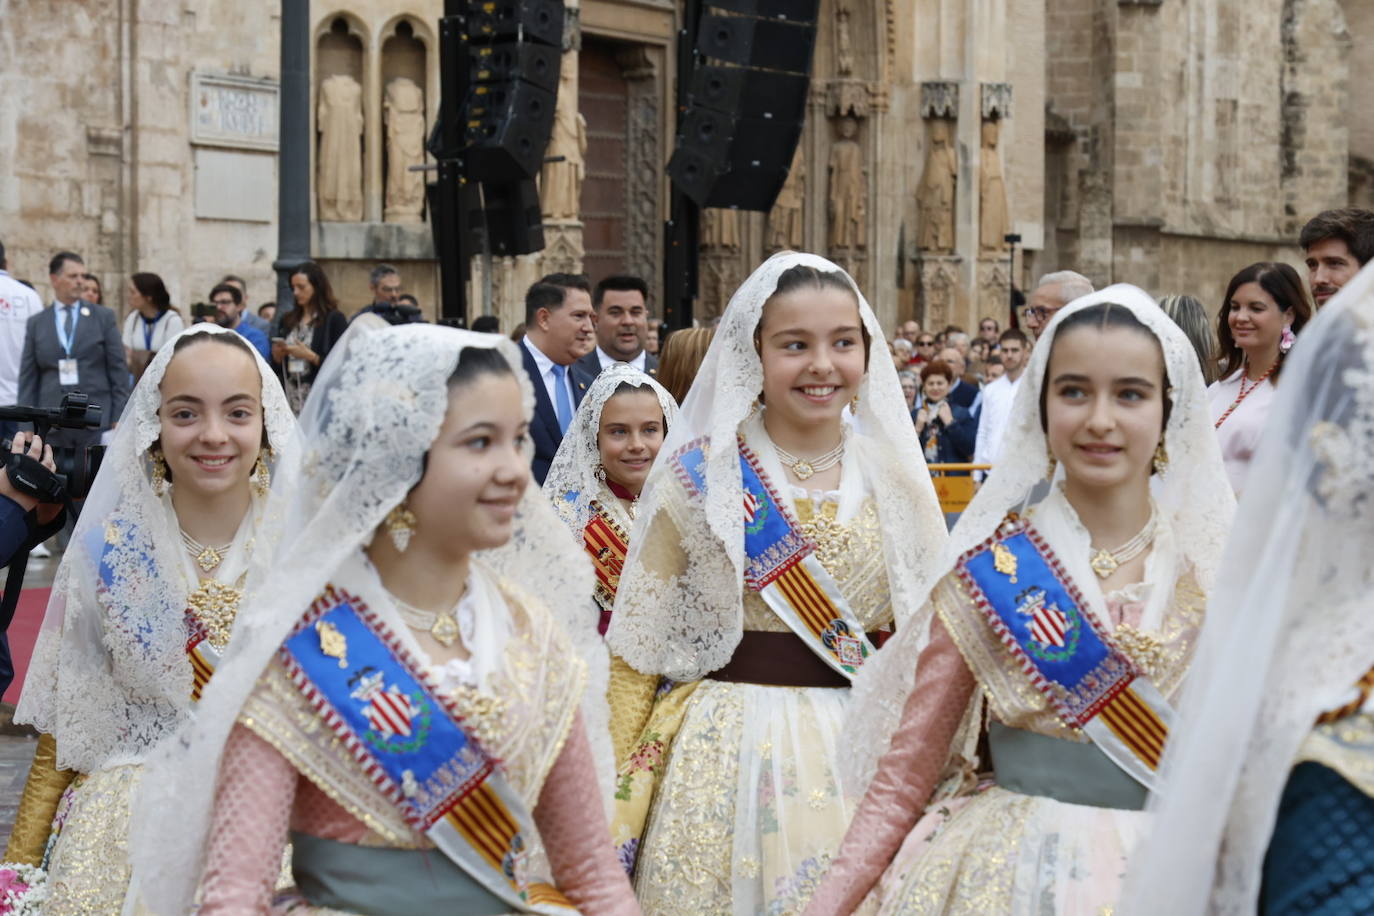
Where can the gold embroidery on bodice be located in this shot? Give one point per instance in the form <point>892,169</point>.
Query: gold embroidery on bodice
<point>852,552</point>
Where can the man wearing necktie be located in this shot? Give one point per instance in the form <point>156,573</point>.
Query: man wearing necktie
<point>558,332</point>
<point>73,346</point>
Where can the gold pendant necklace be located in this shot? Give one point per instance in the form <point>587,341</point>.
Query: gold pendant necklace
<point>806,468</point>
<point>443,626</point>
<point>207,558</point>
<point>1105,562</point>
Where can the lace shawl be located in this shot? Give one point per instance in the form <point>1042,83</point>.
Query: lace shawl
<point>684,619</point>
<point>1289,625</point>
<point>110,678</point>
<point>374,410</point>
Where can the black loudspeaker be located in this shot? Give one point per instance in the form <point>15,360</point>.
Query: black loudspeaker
<point>530,20</point>
<point>749,93</point>
<point>506,60</point>
<point>512,217</point>
<point>744,103</point>
<point>765,43</point>
<point>507,128</point>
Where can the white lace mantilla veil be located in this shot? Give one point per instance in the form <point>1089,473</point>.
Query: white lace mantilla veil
<point>1193,495</point>
<point>1289,627</point>
<point>372,414</point>
<point>571,483</point>
<point>688,625</point>
<point>110,677</point>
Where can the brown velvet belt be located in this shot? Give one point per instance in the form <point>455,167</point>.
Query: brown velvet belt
<point>779,660</point>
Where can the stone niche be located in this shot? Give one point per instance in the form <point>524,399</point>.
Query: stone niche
<point>373,98</point>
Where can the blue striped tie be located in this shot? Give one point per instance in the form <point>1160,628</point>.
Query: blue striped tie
<point>563,402</point>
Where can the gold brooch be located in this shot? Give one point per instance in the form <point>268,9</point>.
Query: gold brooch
<point>216,605</point>
<point>1003,560</point>
<point>332,642</point>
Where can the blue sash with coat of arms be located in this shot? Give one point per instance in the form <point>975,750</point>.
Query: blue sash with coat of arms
<point>782,565</point>
<point>411,741</point>
<point>1038,613</point>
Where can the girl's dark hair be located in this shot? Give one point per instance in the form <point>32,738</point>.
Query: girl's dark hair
<point>628,388</point>
<point>475,362</point>
<point>151,287</point>
<point>231,339</point>
<point>1100,317</point>
<point>1285,286</point>
<point>803,276</point>
<point>322,302</point>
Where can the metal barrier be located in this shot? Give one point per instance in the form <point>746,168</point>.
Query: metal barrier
<point>955,490</point>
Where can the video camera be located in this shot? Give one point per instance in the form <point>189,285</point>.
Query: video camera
<point>204,311</point>
<point>76,467</point>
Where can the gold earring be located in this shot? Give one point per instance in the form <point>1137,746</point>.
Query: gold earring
<point>261,478</point>
<point>1160,462</point>
<point>159,473</point>
<point>854,403</point>
<point>1054,463</point>
<point>599,472</point>
<point>400,525</point>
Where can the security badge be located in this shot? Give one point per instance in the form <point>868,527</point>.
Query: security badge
<point>67,373</point>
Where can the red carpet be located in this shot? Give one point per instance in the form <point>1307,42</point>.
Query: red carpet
<point>33,602</point>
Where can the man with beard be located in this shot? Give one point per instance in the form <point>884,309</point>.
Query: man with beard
<point>1335,245</point>
<point>622,326</point>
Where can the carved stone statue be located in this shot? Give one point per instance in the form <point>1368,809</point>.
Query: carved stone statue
<point>848,190</point>
<point>560,183</point>
<point>340,122</point>
<point>844,46</point>
<point>404,110</point>
<point>992,193</point>
<point>785,219</point>
<point>935,194</point>
<point>720,229</point>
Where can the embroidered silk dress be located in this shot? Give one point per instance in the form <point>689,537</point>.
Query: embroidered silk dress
<point>736,783</point>
<point>1012,850</point>
<point>285,770</point>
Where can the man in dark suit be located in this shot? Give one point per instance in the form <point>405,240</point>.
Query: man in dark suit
<point>73,346</point>
<point>622,326</point>
<point>558,332</point>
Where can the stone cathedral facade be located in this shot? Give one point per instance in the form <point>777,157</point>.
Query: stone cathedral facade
<point>1162,142</point>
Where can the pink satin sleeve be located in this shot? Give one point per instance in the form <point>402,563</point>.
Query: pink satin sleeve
<point>248,831</point>
<point>572,824</point>
<point>905,778</point>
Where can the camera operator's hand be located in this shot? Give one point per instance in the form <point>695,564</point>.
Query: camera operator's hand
<point>34,447</point>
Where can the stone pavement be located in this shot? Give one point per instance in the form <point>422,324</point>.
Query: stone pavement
<point>15,754</point>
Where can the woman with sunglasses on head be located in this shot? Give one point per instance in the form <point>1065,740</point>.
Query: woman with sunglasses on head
<point>1264,309</point>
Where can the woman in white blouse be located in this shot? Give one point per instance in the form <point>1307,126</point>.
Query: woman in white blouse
<point>151,322</point>
<point>1265,307</point>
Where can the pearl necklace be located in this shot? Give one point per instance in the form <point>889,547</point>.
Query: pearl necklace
<point>442,625</point>
<point>805,468</point>
<point>207,558</point>
<point>1105,562</point>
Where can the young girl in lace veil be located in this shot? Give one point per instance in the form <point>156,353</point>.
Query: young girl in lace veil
<point>1073,625</point>
<point>1267,803</point>
<point>402,700</point>
<point>598,474</point>
<point>144,600</point>
<point>775,540</point>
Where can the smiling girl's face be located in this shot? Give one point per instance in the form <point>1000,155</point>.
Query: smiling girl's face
<point>211,417</point>
<point>812,350</point>
<point>1104,404</point>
